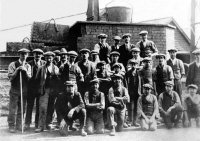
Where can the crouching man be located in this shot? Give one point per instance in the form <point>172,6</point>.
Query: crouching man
<point>118,97</point>
<point>170,106</point>
<point>191,104</point>
<point>71,107</point>
<point>95,104</point>
<point>148,109</point>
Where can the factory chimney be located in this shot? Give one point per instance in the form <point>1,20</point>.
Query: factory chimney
<point>93,10</point>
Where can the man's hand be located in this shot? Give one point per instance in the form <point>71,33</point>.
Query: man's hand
<point>70,114</point>
<point>22,68</point>
<point>62,124</point>
<point>151,120</point>
<point>147,120</point>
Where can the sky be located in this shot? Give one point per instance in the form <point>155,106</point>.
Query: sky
<point>22,12</point>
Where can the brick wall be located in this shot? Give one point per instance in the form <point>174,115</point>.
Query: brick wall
<point>87,32</point>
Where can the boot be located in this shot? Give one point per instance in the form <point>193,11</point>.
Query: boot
<point>135,124</point>
<point>82,132</point>
<point>112,131</point>
<point>64,131</point>
<point>12,129</point>
<point>38,130</point>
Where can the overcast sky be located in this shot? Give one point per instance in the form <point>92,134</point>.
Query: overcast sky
<point>19,12</point>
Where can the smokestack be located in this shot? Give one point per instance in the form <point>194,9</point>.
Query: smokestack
<point>93,10</point>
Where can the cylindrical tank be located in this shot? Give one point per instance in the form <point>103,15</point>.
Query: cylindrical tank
<point>119,11</point>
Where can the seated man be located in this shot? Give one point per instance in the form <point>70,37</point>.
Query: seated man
<point>95,104</point>
<point>170,106</point>
<point>191,105</point>
<point>118,97</point>
<point>148,109</point>
<point>70,106</point>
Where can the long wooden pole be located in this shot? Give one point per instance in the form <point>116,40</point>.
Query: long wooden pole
<point>22,118</point>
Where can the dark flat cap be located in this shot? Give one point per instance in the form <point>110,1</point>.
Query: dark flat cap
<point>38,50</point>
<point>160,55</point>
<point>84,50</point>
<point>172,50</point>
<point>143,32</point>
<point>96,80</point>
<point>102,35</point>
<point>192,86</point>
<point>49,53</point>
<point>148,86</point>
<point>117,76</point>
<point>196,51</point>
<point>115,53</point>
<point>23,50</point>
<point>69,83</point>
<point>72,53</point>
<point>57,52</point>
<point>63,51</point>
<point>117,38</point>
<point>126,35</point>
<point>169,83</point>
<point>94,52</point>
<point>147,59</point>
<point>135,49</point>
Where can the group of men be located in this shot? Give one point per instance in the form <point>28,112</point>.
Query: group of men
<point>101,88</point>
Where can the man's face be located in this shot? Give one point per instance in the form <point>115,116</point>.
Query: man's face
<point>23,56</point>
<point>192,91</point>
<point>85,55</point>
<point>114,58</point>
<point>161,60</point>
<point>63,57</point>
<point>70,89</point>
<point>95,86</point>
<point>144,37</point>
<point>57,57</point>
<point>116,42</point>
<point>168,88</point>
<point>172,54</point>
<point>197,56</point>
<point>72,59</point>
<point>102,40</point>
<point>102,67</point>
<point>49,59</point>
<point>37,55</point>
<point>133,65</point>
<point>147,64</point>
<point>127,39</point>
<point>117,69</point>
<point>117,81</point>
<point>146,90</point>
<point>135,54</point>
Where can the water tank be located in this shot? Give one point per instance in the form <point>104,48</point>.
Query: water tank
<point>119,11</point>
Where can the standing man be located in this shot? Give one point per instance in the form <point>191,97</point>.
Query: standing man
<point>193,76</point>
<point>103,48</point>
<point>63,58</point>
<point>132,80</point>
<point>116,45</point>
<point>88,69</point>
<point>70,106</point>
<point>95,56</point>
<point>33,95</point>
<point>162,74</point>
<point>178,70</point>
<point>125,49</point>
<point>118,97</point>
<point>170,106</point>
<point>148,109</point>
<point>146,45</point>
<point>47,77</point>
<point>95,104</point>
<point>14,70</point>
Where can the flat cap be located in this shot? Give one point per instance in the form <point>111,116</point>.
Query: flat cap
<point>102,35</point>
<point>147,86</point>
<point>57,52</point>
<point>23,50</point>
<point>117,38</point>
<point>132,61</point>
<point>69,83</point>
<point>126,35</point>
<point>49,53</point>
<point>117,65</point>
<point>196,51</point>
<point>84,50</point>
<point>96,80</point>
<point>63,51</point>
<point>94,52</point>
<point>135,49</point>
<point>72,53</point>
<point>147,59</point>
<point>143,32</point>
<point>160,55</point>
<point>192,86</point>
<point>169,83</point>
<point>115,53</point>
<point>117,76</point>
<point>38,50</point>
<point>172,50</point>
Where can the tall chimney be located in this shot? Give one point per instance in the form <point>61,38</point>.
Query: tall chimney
<point>93,10</point>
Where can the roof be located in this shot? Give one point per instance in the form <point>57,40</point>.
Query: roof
<point>168,21</point>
